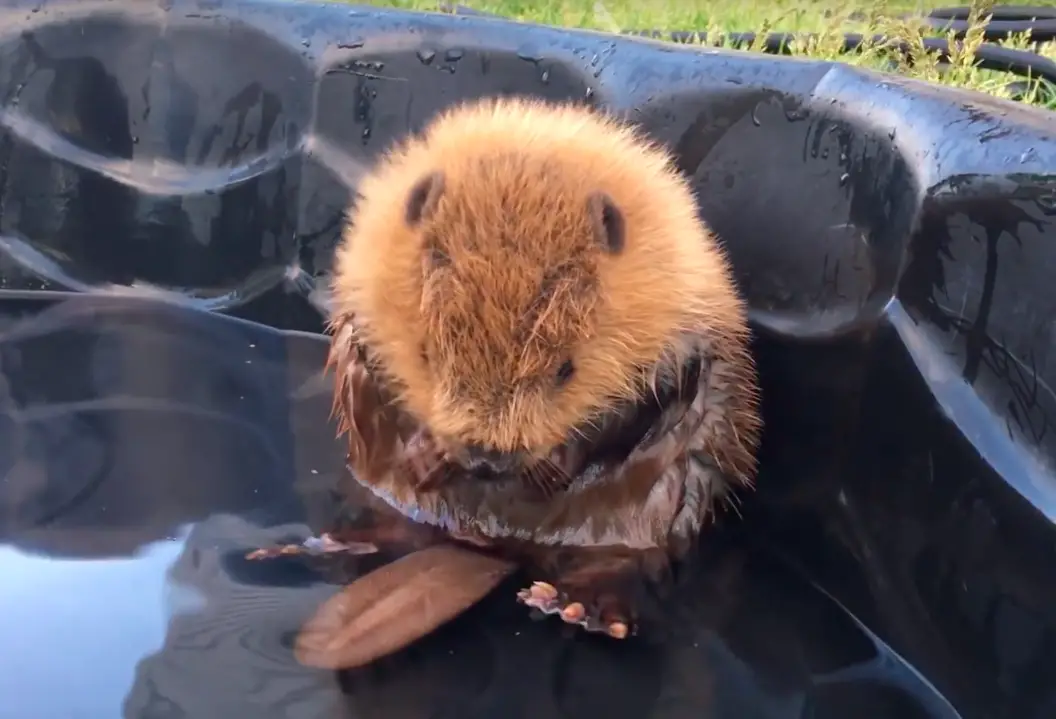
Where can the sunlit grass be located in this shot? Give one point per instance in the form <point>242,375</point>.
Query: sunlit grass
<point>898,20</point>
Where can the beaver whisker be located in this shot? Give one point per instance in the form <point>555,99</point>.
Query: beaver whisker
<point>557,476</point>
<point>535,480</point>
<point>547,477</point>
<point>733,503</point>
<point>426,464</point>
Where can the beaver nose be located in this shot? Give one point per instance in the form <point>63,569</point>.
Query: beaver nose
<point>485,461</point>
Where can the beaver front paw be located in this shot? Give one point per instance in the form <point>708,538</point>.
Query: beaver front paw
<point>314,546</point>
<point>592,608</point>
<point>370,534</point>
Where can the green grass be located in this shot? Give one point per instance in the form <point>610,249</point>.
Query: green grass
<point>829,21</point>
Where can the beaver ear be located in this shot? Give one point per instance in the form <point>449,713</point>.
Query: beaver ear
<point>424,197</point>
<point>607,221</point>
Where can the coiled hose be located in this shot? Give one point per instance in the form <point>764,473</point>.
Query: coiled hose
<point>1014,19</point>
<point>1004,20</point>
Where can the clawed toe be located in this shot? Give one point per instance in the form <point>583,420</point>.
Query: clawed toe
<point>599,615</point>
<point>323,544</point>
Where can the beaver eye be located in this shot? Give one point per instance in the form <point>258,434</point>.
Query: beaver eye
<point>565,372</point>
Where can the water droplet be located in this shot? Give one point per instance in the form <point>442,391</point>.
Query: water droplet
<point>453,55</point>
<point>545,77</point>
<point>891,134</point>
<point>844,178</point>
<point>135,139</point>
<point>589,93</point>
<point>355,44</point>
<point>306,42</point>
<point>426,56</point>
<point>528,56</point>
<point>366,133</point>
<point>755,117</point>
<point>825,154</point>
<point>795,113</point>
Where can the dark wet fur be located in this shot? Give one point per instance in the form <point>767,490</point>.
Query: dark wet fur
<point>621,454</point>
<point>595,448</point>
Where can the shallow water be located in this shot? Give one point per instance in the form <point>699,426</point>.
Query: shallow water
<point>144,448</point>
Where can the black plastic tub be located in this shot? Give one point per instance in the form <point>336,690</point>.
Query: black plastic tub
<point>896,241</point>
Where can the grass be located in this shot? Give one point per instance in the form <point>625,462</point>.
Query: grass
<point>895,19</point>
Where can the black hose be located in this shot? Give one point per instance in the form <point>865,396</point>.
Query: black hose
<point>988,56</point>
<point>1041,21</point>
<point>1004,20</point>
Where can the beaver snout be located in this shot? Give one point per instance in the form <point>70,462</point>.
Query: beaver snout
<point>484,462</point>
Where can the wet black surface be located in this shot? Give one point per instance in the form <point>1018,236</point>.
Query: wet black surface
<point>149,447</point>
<point>895,242</point>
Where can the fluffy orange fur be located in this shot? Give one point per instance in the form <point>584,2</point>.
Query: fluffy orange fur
<point>471,312</point>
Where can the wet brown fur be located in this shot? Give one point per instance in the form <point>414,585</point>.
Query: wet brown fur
<point>475,264</point>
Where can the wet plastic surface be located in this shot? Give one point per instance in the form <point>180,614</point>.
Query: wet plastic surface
<point>895,242</point>
<point>189,439</point>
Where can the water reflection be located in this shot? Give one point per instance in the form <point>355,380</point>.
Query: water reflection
<point>146,447</point>
<point>45,624</point>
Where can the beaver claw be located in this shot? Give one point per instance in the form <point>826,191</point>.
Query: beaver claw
<point>323,544</point>
<point>605,615</point>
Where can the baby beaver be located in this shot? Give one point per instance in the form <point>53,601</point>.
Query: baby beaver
<point>540,350</point>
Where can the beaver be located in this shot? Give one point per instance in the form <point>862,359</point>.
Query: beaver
<point>539,350</point>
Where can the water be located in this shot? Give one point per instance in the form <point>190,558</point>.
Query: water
<point>146,447</point>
